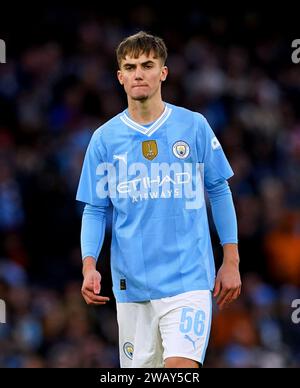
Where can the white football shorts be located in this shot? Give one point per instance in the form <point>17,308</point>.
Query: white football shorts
<point>176,326</point>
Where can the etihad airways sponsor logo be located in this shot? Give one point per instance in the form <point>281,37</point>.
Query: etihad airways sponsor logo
<point>139,181</point>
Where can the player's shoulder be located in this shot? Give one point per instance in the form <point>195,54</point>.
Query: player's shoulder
<point>186,114</point>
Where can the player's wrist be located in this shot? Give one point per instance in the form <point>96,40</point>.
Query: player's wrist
<point>88,264</point>
<point>231,259</point>
<point>231,254</point>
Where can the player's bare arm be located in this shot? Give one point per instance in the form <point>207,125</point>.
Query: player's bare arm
<point>228,282</point>
<point>91,285</point>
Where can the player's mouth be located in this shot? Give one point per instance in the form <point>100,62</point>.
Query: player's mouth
<point>139,86</point>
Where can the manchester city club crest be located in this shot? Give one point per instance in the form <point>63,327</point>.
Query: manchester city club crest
<point>181,149</point>
<point>128,350</point>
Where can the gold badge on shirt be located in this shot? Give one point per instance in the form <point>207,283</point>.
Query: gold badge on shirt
<point>150,150</point>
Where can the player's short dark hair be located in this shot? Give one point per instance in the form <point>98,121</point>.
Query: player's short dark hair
<point>142,43</point>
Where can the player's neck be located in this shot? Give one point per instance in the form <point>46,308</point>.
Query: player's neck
<point>145,112</point>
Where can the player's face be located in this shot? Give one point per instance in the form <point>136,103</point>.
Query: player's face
<point>142,76</point>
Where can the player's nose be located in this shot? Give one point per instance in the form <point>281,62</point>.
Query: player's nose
<point>138,73</point>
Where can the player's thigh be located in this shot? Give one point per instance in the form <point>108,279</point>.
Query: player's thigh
<point>139,336</point>
<point>127,317</point>
<point>185,327</point>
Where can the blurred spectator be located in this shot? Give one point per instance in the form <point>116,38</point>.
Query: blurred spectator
<point>283,249</point>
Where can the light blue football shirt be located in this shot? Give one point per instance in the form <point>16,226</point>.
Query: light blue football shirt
<point>154,176</point>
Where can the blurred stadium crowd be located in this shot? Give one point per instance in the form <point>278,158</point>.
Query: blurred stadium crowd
<point>58,85</point>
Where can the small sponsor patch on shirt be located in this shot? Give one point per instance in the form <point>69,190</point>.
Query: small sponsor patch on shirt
<point>122,284</point>
<point>215,144</point>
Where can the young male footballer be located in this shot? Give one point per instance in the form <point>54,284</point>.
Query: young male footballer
<point>152,162</point>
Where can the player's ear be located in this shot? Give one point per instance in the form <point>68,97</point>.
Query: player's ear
<point>120,77</point>
<point>164,73</point>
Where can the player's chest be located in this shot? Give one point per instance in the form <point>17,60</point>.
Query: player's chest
<point>162,147</point>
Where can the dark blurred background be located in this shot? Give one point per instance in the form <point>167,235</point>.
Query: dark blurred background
<point>59,84</point>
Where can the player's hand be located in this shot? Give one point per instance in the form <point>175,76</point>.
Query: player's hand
<point>91,288</point>
<point>228,284</point>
